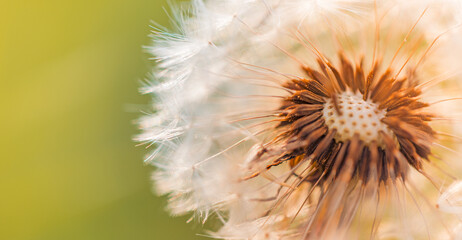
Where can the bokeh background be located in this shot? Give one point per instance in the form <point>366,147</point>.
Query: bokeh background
<point>69,78</point>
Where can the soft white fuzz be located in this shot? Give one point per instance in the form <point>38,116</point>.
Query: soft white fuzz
<point>451,200</point>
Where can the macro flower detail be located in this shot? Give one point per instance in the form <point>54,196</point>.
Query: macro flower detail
<point>306,119</point>
<point>350,124</point>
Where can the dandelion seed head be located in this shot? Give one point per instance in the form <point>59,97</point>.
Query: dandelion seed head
<point>306,119</point>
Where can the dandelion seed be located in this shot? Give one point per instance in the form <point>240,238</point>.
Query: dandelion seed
<point>310,119</point>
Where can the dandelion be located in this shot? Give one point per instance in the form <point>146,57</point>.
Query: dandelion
<point>309,119</point>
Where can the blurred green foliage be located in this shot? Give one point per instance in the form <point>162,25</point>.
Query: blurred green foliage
<point>69,74</point>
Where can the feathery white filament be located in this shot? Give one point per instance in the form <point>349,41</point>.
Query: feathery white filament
<point>451,200</point>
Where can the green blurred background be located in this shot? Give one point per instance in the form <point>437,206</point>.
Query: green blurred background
<point>69,75</point>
